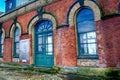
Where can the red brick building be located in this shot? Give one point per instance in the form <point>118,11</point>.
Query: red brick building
<point>61,33</point>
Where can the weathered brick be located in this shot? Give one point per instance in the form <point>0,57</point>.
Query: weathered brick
<point>7,57</point>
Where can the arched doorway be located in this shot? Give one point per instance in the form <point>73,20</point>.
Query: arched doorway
<point>43,49</point>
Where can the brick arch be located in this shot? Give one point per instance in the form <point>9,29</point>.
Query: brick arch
<point>77,6</point>
<point>36,19</point>
<point>13,28</point>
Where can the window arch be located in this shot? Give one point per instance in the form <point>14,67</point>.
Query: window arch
<point>2,36</point>
<point>87,43</point>
<point>16,42</point>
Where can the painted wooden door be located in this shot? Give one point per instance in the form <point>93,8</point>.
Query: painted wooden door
<point>44,56</point>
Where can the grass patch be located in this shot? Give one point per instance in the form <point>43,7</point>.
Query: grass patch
<point>70,74</point>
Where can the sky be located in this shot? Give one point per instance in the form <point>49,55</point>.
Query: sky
<point>2,5</point>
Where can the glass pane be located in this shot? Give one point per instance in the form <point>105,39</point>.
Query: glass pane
<point>44,25</point>
<point>50,48</point>
<point>86,26</point>
<point>17,38</point>
<point>85,14</point>
<point>17,51</point>
<point>91,40</point>
<point>40,49</point>
<point>91,35</point>
<point>85,20</point>
<point>83,38</point>
<point>49,53</point>
<point>49,39</point>
<point>17,45</point>
<point>2,38</point>
<point>2,41</point>
<point>2,49</point>
<point>17,34</point>
<point>83,49</point>
<point>92,48</point>
<point>40,40</point>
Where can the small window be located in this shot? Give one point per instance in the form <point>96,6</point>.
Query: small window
<point>86,33</point>
<point>16,42</point>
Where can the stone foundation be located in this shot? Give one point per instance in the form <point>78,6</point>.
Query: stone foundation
<point>15,59</point>
<point>88,62</point>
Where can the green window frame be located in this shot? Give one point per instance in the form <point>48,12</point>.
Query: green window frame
<point>16,42</point>
<point>86,31</point>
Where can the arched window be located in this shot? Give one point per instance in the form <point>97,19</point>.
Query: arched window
<point>87,44</point>
<point>1,43</point>
<point>16,42</point>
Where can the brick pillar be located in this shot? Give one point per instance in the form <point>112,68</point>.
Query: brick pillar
<point>65,46</point>
<point>108,37</point>
<point>7,55</point>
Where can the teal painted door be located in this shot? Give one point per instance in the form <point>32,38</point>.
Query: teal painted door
<point>44,56</point>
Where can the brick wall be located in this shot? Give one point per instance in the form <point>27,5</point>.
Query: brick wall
<point>65,46</point>
<point>25,19</point>
<point>60,10</point>
<point>7,56</point>
<point>109,6</point>
<point>108,36</point>
<point>7,25</point>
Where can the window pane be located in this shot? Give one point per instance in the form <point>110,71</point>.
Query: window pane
<point>85,20</point>
<point>2,38</point>
<point>92,48</point>
<point>91,35</point>
<point>17,45</point>
<point>83,38</point>
<point>49,39</point>
<point>44,25</point>
<point>83,49</point>
<point>40,49</point>
<point>17,34</point>
<point>50,48</point>
<point>40,40</point>
<point>17,51</point>
<point>17,38</point>
<point>91,40</point>
<point>49,53</point>
<point>86,26</point>
<point>2,49</point>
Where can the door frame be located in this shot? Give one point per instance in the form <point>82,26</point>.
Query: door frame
<point>34,37</point>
